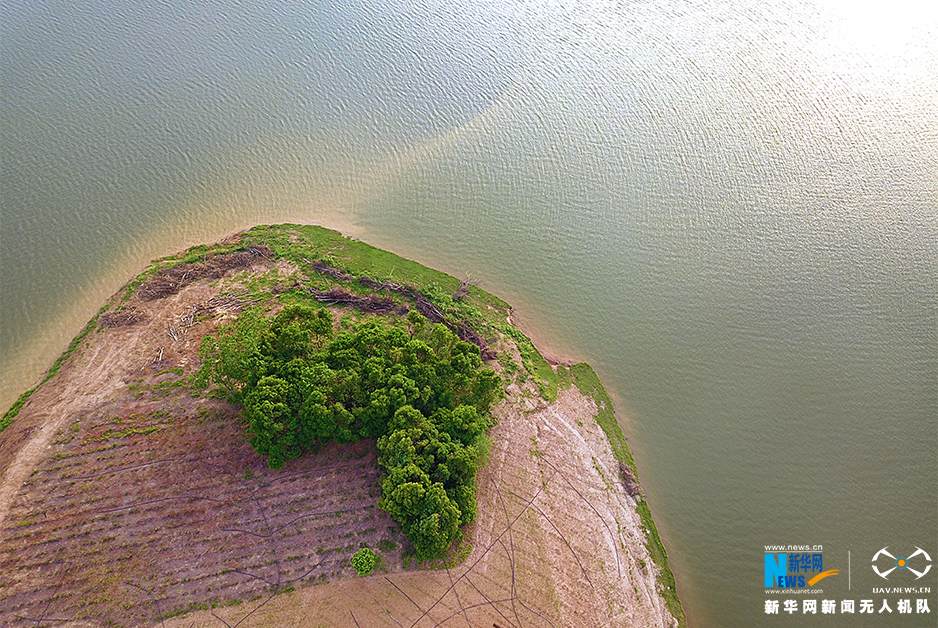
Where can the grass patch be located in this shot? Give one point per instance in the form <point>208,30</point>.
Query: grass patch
<point>460,552</point>
<point>258,285</point>
<point>109,434</point>
<point>304,244</point>
<point>165,388</point>
<point>564,377</point>
<point>10,414</point>
<point>510,366</point>
<point>534,363</point>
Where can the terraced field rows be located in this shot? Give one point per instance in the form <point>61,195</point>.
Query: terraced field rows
<point>136,514</point>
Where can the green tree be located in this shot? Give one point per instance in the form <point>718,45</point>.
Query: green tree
<point>364,561</point>
<point>296,331</point>
<point>437,525</point>
<point>233,358</point>
<point>271,426</point>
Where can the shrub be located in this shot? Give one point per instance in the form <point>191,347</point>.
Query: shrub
<point>364,561</point>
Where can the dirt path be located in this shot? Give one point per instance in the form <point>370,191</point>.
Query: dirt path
<point>88,379</point>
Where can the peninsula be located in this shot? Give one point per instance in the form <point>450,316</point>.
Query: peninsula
<point>143,482</point>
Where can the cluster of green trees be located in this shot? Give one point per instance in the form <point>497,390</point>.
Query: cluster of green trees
<point>420,391</point>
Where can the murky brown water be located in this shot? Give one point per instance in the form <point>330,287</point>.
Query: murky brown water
<point>730,209</point>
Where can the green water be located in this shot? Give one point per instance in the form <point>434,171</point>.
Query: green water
<point>729,208</point>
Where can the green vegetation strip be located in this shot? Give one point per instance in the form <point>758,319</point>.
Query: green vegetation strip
<point>660,557</point>
<point>588,383</point>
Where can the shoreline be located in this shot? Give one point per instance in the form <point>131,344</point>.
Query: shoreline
<point>548,377</point>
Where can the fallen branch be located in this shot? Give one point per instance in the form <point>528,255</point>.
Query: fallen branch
<point>123,317</point>
<point>169,281</point>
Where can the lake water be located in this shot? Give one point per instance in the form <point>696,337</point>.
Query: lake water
<point>728,207</point>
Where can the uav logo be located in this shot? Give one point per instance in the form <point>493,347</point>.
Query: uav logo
<point>901,563</point>
<point>795,570</point>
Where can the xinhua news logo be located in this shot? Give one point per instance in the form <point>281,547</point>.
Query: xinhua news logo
<point>795,570</point>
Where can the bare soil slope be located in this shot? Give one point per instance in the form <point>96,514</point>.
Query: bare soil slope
<point>557,543</point>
